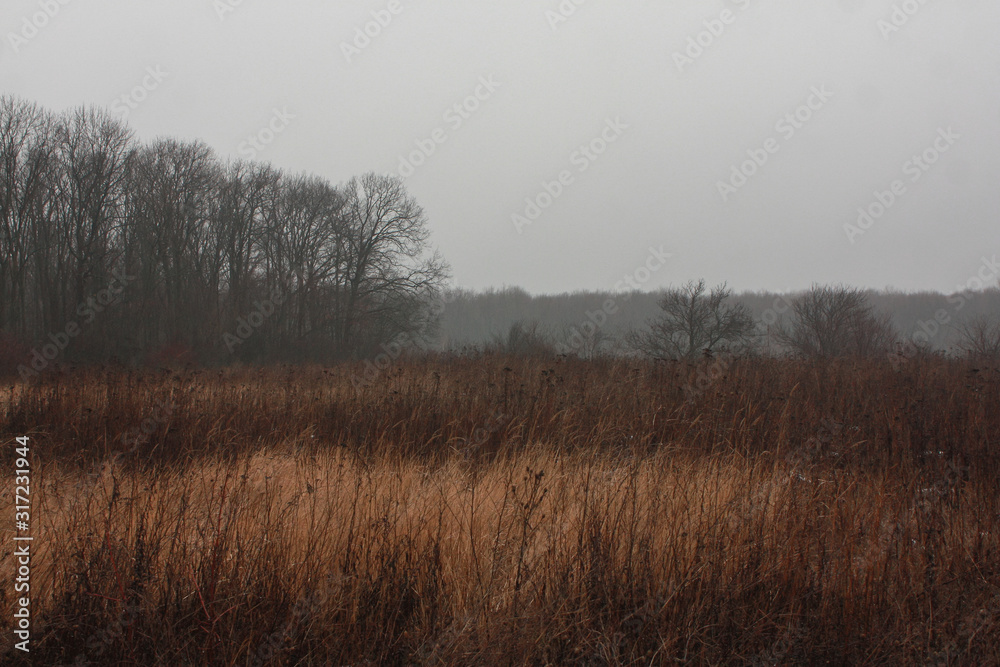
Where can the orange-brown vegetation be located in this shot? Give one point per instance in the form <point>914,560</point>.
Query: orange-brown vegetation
<point>509,511</point>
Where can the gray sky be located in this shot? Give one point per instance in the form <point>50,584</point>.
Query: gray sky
<point>681,116</point>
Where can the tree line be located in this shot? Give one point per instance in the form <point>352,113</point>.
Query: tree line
<point>114,248</point>
<point>691,321</point>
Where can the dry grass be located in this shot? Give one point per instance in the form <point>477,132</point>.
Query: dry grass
<point>503,511</point>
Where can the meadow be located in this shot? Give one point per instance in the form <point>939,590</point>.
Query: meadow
<point>511,511</point>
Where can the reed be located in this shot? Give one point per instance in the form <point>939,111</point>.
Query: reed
<point>513,511</point>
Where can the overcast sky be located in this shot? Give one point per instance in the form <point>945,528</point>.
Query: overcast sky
<point>667,97</point>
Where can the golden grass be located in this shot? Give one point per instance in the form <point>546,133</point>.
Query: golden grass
<point>504,511</point>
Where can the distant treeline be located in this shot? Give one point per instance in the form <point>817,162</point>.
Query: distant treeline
<point>115,249</point>
<point>479,319</point>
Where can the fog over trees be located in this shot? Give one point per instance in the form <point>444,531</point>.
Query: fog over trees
<point>119,249</point>
<point>695,320</point>
<point>116,250</point>
<point>927,319</point>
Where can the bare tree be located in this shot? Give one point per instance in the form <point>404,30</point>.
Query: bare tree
<point>208,248</point>
<point>586,342</point>
<point>523,339</point>
<point>307,245</point>
<point>93,148</point>
<point>388,275</point>
<point>979,337</point>
<point>837,321</point>
<point>247,193</point>
<point>695,321</point>
<point>175,240</point>
<point>26,167</point>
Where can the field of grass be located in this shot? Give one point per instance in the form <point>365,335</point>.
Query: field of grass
<point>499,511</point>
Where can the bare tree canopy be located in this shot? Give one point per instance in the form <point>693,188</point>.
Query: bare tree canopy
<point>695,320</point>
<point>388,278</point>
<point>131,249</point>
<point>837,321</point>
<point>979,338</point>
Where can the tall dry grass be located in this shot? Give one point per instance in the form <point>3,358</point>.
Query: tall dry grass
<point>504,511</point>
